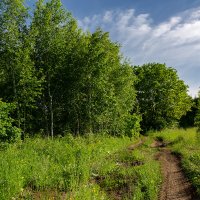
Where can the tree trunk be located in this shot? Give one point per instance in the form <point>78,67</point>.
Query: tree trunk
<point>24,128</point>
<point>51,111</point>
<point>50,108</point>
<point>46,120</point>
<point>15,97</point>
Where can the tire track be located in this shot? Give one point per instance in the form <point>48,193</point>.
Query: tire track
<point>175,185</point>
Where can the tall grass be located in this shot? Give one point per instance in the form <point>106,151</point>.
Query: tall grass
<point>62,165</point>
<point>131,174</point>
<point>92,167</point>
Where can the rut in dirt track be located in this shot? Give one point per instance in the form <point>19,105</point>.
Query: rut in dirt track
<point>175,186</point>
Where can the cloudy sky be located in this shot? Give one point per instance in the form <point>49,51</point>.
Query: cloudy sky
<point>165,31</point>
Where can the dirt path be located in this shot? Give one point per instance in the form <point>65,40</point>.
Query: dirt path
<point>175,186</point>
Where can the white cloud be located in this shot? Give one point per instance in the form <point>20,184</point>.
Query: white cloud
<point>107,17</point>
<point>175,42</point>
<point>166,27</point>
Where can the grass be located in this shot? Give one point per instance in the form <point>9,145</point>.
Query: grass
<point>131,174</point>
<point>92,167</point>
<point>62,166</point>
<point>185,143</point>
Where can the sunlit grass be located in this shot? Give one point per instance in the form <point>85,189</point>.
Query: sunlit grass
<point>131,174</point>
<point>92,167</point>
<point>59,165</point>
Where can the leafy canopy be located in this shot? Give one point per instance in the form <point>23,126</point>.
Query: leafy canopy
<point>197,118</point>
<point>161,95</point>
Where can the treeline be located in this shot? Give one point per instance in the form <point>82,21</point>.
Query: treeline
<point>196,108</point>
<point>56,78</point>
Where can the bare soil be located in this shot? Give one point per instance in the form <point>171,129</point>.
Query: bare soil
<point>175,185</point>
<point>134,146</point>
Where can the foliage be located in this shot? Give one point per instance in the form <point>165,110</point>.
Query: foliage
<point>197,118</point>
<point>101,94</point>
<point>132,128</point>
<point>188,120</point>
<point>18,82</point>
<point>60,78</point>
<point>8,132</point>
<point>49,29</point>
<point>161,95</point>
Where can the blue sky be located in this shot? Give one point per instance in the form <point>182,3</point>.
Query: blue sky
<point>159,9</point>
<point>165,31</point>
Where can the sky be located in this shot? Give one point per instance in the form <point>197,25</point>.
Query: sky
<point>164,31</point>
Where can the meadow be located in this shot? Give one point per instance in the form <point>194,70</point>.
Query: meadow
<point>90,167</point>
<point>94,166</point>
<point>62,166</point>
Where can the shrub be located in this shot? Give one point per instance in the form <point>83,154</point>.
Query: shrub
<point>8,132</point>
<point>133,125</point>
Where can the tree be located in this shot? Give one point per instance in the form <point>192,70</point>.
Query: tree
<point>100,93</point>
<point>161,95</point>
<point>18,82</point>
<point>188,120</point>
<point>197,118</point>
<point>61,78</point>
<point>48,27</point>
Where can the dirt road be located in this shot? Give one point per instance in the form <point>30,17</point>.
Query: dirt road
<point>175,186</point>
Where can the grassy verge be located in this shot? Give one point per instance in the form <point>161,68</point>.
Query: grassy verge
<point>185,143</point>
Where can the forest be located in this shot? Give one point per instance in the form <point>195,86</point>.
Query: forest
<point>69,99</point>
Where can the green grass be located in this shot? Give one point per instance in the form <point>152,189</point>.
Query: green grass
<point>92,167</point>
<point>59,165</point>
<point>131,174</point>
<point>185,143</point>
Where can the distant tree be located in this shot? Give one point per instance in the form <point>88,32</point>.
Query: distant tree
<point>197,118</point>
<point>188,120</point>
<point>161,95</point>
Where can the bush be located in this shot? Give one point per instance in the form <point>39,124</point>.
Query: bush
<point>197,118</point>
<point>133,125</point>
<point>8,132</point>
